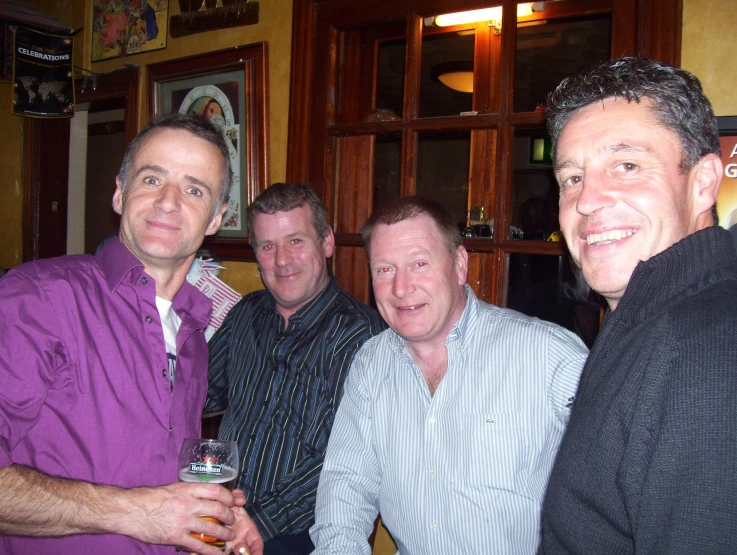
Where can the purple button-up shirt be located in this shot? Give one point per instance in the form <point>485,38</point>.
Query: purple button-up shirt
<point>84,384</point>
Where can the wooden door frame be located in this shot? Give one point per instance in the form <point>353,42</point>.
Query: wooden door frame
<point>45,201</point>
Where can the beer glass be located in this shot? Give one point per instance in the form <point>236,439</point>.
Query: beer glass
<point>211,461</point>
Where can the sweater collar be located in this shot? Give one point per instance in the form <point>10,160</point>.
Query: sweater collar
<point>681,270</point>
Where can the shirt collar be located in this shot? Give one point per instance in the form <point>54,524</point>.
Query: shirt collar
<point>312,312</point>
<point>118,263</point>
<point>462,330</point>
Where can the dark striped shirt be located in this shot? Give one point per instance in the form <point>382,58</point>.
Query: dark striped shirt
<point>282,387</point>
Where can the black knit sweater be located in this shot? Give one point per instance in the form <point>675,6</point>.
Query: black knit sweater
<point>648,464</point>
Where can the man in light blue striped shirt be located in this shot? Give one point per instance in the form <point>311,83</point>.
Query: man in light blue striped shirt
<point>450,420</point>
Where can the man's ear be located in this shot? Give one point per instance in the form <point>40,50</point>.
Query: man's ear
<point>217,219</point>
<point>705,178</point>
<point>329,243</point>
<point>461,264</point>
<point>118,197</point>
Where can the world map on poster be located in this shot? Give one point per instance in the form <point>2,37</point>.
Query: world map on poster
<point>126,27</point>
<point>58,90</point>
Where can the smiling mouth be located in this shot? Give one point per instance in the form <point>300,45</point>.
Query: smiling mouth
<point>609,236</point>
<point>413,307</point>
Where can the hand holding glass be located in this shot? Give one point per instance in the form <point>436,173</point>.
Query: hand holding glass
<point>211,461</point>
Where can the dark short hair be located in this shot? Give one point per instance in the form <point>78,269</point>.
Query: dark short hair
<point>678,100</point>
<point>407,208</point>
<point>283,197</point>
<point>196,125</point>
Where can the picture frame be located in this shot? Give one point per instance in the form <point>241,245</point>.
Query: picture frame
<point>230,87</point>
<point>727,198</point>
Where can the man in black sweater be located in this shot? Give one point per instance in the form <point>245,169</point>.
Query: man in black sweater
<point>648,464</point>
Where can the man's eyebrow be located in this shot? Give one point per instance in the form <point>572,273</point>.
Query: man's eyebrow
<point>607,150</point>
<point>625,147</point>
<point>151,168</point>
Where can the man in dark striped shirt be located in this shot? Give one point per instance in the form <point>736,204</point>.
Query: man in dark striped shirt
<point>279,361</point>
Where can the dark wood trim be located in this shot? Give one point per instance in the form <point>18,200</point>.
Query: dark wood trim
<point>659,30</point>
<point>118,84</point>
<point>31,202</point>
<point>106,128</point>
<point>300,93</point>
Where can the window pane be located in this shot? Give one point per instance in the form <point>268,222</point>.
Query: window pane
<point>390,79</point>
<point>442,170</point>
<point>387,170</point>
<point>447,57</point>
<point>547,287</point>
<point>371,73</point>
<point>534,206</point>
<point>557,49</point>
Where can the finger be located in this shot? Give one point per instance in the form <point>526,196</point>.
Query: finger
<point>188,544</point>
<point>239,497</point>
<point>210,529</point>
<point>218,511</point>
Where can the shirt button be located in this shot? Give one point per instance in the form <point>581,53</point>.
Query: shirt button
<point>432,420</point>
<point>434,526</point>
<point>171,430</point>
<point>144,280</point>
<point>253,437</point>
<point>149,319</point>
<point>163,372</point>
<point>432,472</point>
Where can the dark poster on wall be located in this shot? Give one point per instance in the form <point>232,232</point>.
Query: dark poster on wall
<point>43,85</point>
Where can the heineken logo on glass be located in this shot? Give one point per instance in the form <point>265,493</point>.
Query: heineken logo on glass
<point>209,469</point>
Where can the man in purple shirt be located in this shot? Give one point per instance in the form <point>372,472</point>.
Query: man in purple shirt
<point>103,366</point>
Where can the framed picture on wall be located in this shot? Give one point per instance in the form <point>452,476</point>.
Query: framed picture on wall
<point>229,88</point>
<point>127,27</point>
<point>727,199</point>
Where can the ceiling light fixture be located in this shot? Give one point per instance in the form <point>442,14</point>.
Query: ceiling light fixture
<point>456,75</point>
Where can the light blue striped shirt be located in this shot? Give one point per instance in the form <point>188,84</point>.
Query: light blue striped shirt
<point>463,471</point>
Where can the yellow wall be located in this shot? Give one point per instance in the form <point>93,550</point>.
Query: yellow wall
<point>11,188</point>
<point>707,50</point>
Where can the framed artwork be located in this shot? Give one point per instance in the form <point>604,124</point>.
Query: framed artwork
<point>727,199</point>
<point>126,27</point>
<point>229,88</point>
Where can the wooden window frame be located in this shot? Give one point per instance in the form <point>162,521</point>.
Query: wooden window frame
<point>639,27</point>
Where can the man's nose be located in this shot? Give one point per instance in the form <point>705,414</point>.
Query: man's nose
<point>168,199</point>
<point>283,255</point>
<point>402,285</point>
<point>596,193</point>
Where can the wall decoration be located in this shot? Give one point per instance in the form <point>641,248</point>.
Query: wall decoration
<point>43,85</point>
<point>126,27</point>
<point>229,88</point>
<point>727,199</point>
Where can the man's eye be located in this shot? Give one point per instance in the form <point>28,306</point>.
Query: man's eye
<point>420,264</point>
<point>382,270</point>
<point>572,181</point>
<point>267,247</point>
<point>194,191</point>
<point>150,180</point>
<point>628,166</point>
<point>296,241</point>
